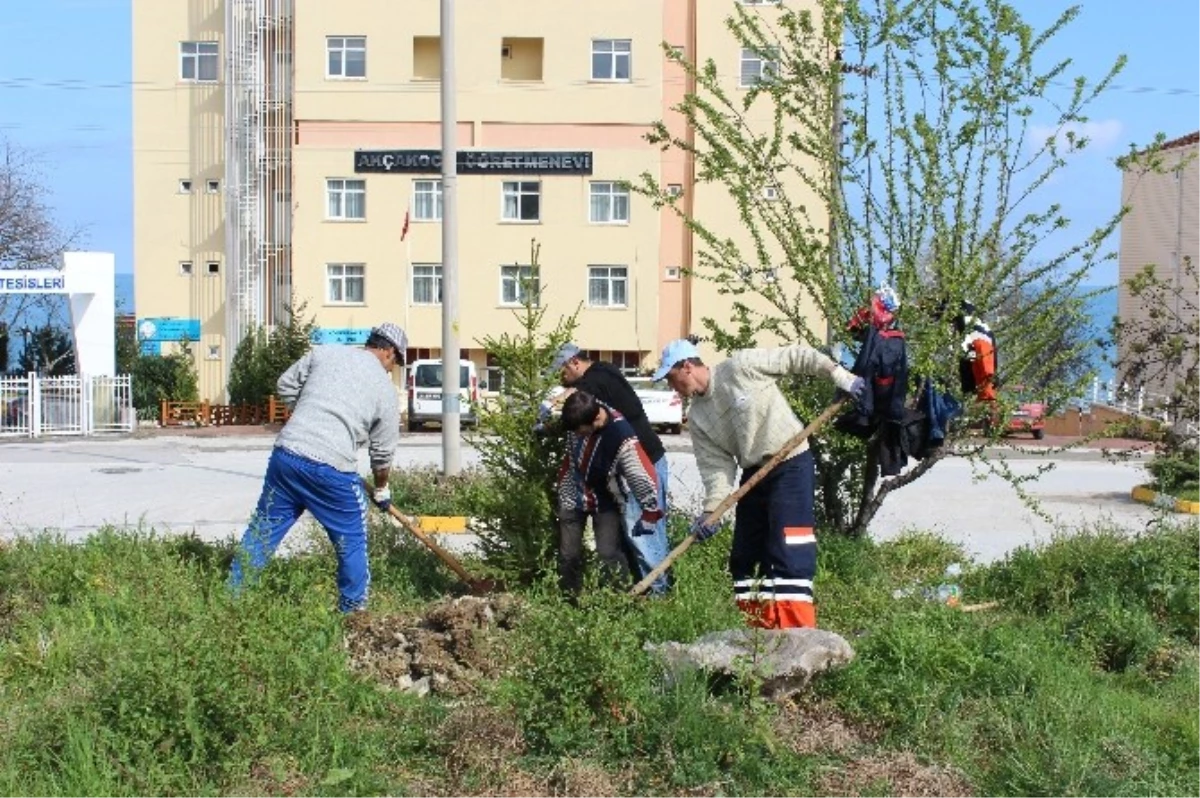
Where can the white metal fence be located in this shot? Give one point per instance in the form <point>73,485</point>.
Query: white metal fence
<point>34,406</point>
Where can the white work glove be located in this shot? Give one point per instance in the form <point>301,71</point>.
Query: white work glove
<point>382,498</point>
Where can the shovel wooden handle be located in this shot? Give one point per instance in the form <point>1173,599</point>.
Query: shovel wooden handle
<point>423,536</point>
<point>733,498</point>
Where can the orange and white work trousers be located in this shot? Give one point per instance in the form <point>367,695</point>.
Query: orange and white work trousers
<point>774,556</point>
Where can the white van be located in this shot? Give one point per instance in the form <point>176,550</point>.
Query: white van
<point>425,393</point>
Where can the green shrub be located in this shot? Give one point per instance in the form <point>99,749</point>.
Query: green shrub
<point>1176,473</point>
<point>425,490</point>
<point>262,356</point>
<point>159,378</point>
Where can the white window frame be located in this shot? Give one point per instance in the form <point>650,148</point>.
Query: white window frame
<point>212,186</point>
<point>517,274</point>
<point>186,268</point>
<point>520,191</point>
<point>435,276</point>
<point>197,54</point>
<point>611,190</point>
<point>610,280</point>
<point>343,46</point>
<point>185,185</point>
<point>341,278</point>
<point>765,65</point>
<point>340,187</point>
<point>432,190</point>
<point>609,47</point>
<point>212,268</point>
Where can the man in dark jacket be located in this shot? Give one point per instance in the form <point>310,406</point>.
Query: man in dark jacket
<point>606,382</point>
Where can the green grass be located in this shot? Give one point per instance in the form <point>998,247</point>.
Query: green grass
<point>127,668</point>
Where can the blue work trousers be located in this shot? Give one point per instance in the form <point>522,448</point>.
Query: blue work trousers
<point>650,550</point>
<point>335,498</point>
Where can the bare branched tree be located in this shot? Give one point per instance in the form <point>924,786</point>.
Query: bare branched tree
<point>30,236</point>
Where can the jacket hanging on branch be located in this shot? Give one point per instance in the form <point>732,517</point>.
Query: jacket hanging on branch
<point>883,362</point>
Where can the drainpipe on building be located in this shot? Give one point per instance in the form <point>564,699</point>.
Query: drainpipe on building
<point>689,180</point>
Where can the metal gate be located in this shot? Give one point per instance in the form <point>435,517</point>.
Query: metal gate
<point>34,406</point>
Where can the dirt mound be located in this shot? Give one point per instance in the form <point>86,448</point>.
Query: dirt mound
<point>815,726</point>
<point>893,773</point>
<point>446,651</point>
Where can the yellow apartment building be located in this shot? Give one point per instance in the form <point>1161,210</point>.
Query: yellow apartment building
<point>1161,228</point>
<point>289,150</point>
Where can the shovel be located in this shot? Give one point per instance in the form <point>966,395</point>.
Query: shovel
<point>477,586</point>
<point>732,499</point>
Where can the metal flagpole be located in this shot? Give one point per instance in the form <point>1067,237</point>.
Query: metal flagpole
<point>451,441</point>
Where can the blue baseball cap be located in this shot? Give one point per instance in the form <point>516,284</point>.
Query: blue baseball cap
<point>565,353</point>
<point>675,352</point>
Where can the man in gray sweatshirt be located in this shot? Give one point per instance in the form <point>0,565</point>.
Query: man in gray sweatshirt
<point>341,397</point>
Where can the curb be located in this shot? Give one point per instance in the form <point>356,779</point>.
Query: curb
<point>1143,494</point>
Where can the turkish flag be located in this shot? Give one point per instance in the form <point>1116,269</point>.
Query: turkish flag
<point>404,229</point>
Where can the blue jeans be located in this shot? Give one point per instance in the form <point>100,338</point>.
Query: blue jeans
<point>336,499</point>
<point>650,550</point>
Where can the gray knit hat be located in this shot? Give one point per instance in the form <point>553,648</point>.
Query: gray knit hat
<point>393,335</point>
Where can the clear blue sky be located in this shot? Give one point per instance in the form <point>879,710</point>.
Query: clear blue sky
<point>65,92</point>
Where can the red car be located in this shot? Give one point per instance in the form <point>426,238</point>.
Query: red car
<point>1029,416</point>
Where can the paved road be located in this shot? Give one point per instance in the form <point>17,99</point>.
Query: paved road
<point>210,485</point>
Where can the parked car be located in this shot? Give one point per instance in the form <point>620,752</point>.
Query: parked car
<point>664,407</point>
<point>425,393</point>
<point>1028,417</point>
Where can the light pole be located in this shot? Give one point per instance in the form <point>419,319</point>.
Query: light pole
<point>451,443</point>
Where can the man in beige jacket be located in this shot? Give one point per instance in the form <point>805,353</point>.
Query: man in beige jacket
<point>738,417</point>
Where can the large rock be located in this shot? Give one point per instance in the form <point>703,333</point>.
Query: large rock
<point>783,660</point>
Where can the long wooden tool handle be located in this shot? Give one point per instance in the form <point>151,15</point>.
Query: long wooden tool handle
<point>423,536</point>
<point>734,497</point>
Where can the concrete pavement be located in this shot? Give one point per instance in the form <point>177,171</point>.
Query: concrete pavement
<point>209,485</point>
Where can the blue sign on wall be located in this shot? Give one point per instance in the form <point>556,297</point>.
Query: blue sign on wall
<point>167,328</point>
<point>150,348</point>
<point>341,335</point>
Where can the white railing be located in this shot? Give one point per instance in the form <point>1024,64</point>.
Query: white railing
<point>1139,402</point>
<point>34,406</point>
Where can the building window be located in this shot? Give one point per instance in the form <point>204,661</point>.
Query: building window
<point>213,186</point>
<point>185,186</point>
<point>521,58</point>
<point>185,268</point>
<point>427,58</point>
<point>757,67</point>
<point>214,352</point>
<point>494,375</point>
<point>427,283</point>
<point>198,62</point>
<point>519,284</point>
<point>608,286</point>
<point>346,283</point>
<point>610,203</point>
<point>427,200</point>
<point>610,59</point>
<point>347,57</point>
<point>630,363</point>
<point>522,202</point>
<point>213,267</point>
<point>347,199</point>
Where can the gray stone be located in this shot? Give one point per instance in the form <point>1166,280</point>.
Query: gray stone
<point>421,687</point>
<point>784,661</point>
